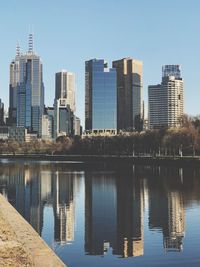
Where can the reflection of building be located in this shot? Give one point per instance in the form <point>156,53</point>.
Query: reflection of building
<point>173,239</point>
<point>130,203</point>
<point>166,212</point>
<point>46,186</point>
<point>113,214</point>
<point>64,207</point>
<point>100,213</point>
<point>31,187</point>
<point>24,194</point>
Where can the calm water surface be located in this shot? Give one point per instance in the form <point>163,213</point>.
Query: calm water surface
<point>109,216</point>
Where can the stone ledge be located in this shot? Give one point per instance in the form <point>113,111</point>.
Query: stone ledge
<point>19,234</point>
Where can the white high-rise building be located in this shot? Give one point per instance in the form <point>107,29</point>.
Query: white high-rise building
<point>166,105</point>
<point>65,87</point>
<point>46,127</point>
<point>64,103</point>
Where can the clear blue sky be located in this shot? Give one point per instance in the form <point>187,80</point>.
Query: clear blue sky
<point>67,33</point>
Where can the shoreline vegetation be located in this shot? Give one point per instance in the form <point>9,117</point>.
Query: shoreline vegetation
<point>181,143</point>
<point>143,160</point>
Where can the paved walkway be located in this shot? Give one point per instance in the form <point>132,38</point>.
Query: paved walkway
<point>20,245</point>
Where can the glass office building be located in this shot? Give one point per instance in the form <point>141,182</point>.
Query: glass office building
<point>101,97</point>
<point>13,88</point>
<point>63,118</point>
<point>30,95</point>
<point>171,70</point>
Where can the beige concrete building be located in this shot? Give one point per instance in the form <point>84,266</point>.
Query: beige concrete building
<point>129,93</point>
<point>65,87</point>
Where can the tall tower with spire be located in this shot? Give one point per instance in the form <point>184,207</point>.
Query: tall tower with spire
<point>30,43</point>
<point>30,93</point>
<point>13,87</point>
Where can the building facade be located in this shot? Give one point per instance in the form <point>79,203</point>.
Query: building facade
<point>13,88</point>
<point>30,102</point>
<point>130,102</point>
<point>4,134</point>
<point>46,128</point>
<point>166,104</point>
<point>65,87</point>
<point>63,118</point>
<point>64,104</point>
<point>171,70</point>
<point>49,111</point>
<point>77,126</point>
<point>1,113</point>
<point>100,97</point>
<point>17,134</point>
<point>26,103</point>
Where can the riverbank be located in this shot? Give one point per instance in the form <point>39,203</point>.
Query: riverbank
<point>143,160</point>
<point>20,245</point>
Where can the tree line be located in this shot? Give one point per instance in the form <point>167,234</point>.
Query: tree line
<point>181,141</point>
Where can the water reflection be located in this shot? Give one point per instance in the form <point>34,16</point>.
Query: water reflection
<point>115,203</point>
<point>114,214</point>
<point>30,187</point>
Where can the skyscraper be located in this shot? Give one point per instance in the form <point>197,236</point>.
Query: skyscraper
<point>65,87</point>
<point>30,95</point>
<point>64,103</point>
<point>129,93</point>
<point>63,118</point>
<point>13,87</point>
<point>166,99</point>
<point>1,113</point>
<point>100,97</point>
<point>46,127</point>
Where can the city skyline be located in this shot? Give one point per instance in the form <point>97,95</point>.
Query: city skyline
<point>65,51</point>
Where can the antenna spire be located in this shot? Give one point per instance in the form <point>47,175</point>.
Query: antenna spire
<point>30,43</point>
<point>18,50</point>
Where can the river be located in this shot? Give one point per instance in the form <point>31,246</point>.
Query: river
<point>109,215</point>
